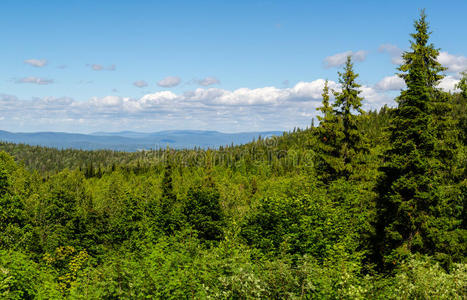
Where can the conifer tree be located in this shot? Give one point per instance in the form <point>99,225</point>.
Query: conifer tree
<point>347,103</point>
<point>326,109</point>
<point>329,133</point>
<point>423,54</point>
<point>408,204</point>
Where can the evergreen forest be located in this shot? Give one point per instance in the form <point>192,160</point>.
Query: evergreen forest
<point>360,205</point>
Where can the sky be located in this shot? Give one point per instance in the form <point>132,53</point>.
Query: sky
<point>231,66</point>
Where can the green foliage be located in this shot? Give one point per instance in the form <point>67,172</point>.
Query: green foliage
<point>462,84</point>
<point>348,101</point>
<point>22,278</point>
<point>300,216</point>
<point>421,279</point>
<point>329,137</point>
<point>412,212</point>
<point>422,59</point>
<point>203,212</point>
<point>339,139</point>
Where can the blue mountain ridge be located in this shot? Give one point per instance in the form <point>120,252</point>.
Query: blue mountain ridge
<point>134,141</point>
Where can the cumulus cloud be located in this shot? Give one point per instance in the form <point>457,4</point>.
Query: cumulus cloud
<point>340,58</point>
<point>448,84</point>
<point>35,80</point>
<point>208,81</point>
<point>390,83</point>
<point>243,109</point>
<point>169,81</point>
<point>395,53</point>
<point>38,63</point>
<point>98,67</point>
<point>310,90</point>
<point>454,63</point>
<point>374,99</point>
<point>302,91</point>
<point>140,83</point>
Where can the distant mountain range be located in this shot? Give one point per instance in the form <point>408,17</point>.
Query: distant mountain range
<point>134,141</point>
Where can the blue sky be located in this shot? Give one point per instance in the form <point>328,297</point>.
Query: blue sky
<point>85,66</point>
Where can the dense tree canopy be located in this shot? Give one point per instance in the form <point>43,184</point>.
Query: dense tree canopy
<point>366,205</point>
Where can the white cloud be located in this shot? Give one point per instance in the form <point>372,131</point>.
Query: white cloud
<point>246,96</point>
<point>35,80</point>
<point>302,91</point>
<point>36,62</point>
<point>374,99</point>
<point>158,98</point>
<point>390,83</point>
<point>140,83</point>
<point>448,84</point>
<point>208,81</point>
<point>169,81</point>
<point>310,90</point>
<point>454,63</point>
<point>340,58</point>
<point>243,109</point>
<point>106,101</point>
<point>394,52</point>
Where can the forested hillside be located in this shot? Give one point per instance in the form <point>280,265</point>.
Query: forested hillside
<point>132,141</point>
<point>365,205</point>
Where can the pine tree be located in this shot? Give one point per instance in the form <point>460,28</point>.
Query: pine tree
<point>409,203</point>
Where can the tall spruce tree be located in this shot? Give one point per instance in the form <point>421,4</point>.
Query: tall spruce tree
<point>347,103</point>
<point>409,204</point>
<point>329,133</point>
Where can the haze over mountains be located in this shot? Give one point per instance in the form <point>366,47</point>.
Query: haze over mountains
<point>133,141</point>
